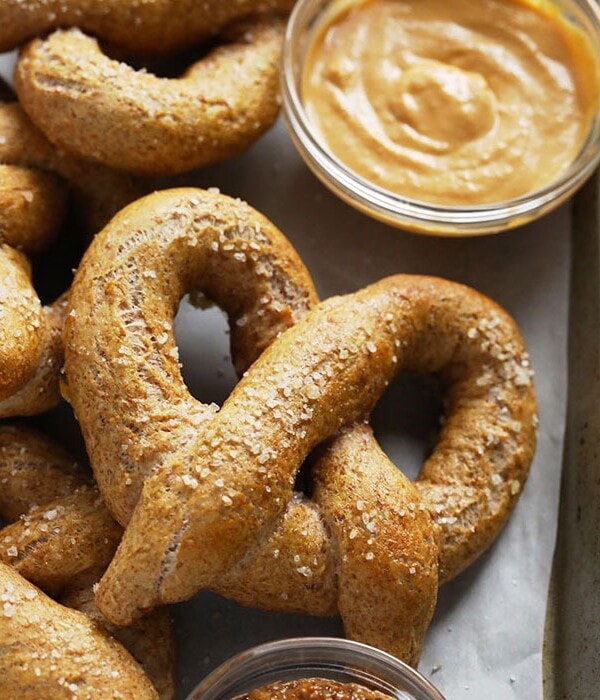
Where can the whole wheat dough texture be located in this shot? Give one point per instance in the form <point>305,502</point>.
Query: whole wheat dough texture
<point>74,657</point>
<point>215,490</point>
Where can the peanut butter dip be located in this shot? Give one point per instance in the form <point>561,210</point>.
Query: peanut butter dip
<point>451,101</point>
<point>314,689</point>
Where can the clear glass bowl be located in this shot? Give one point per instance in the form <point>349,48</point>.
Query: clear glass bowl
<point>315,657</point>
<point>411,214</point>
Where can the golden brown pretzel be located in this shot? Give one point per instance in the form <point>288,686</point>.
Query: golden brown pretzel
<point>156,126</point>
<point>20,311</point>
<point>98,192</point>
<point>58,527</point>
<point>149,640</point>
<point>49,651</point>
<point>217,491</point>
<point>151,26</point>
<point>34,177</point>
<point>149,255</point>
<point>61,538</point>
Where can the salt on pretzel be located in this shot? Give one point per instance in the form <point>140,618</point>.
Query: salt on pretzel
<point>74,657</point>
<point>217,492</point>
<point>34,179</point>
<point>151,254</point>
<point>155,126</point>
<point>61,538</point>
<point>149,27</point>
<point>474,475</point>
<point>150,640</point>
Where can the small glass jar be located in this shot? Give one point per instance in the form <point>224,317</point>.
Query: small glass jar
<point>315,657</point>
<point>412,214</point>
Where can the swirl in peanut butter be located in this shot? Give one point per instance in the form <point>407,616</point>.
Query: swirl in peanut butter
<point>455,102</point>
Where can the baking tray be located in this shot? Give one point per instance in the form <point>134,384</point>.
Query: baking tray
<point>572,642</point>
<point>486,638</point>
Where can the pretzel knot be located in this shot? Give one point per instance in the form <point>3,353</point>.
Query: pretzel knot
<point>60,537</point>
<point>35,178</point>
<point>209,495</point>
<point>157,126</point>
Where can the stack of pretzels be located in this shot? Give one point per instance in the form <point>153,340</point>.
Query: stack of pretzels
<point>189,496</point>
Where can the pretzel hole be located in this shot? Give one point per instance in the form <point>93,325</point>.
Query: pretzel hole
<point>406,423</point>
<point>407,420</point>
<point>171,67</point>
<point>202,336</point>
<point>53,268</point>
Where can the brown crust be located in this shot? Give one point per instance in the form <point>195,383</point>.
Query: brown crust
<point>55,541</point>
<point>144,26</point>
<point>33,470</point>
<point>61,538</point>
<point>35,178</point>
<point>21,316</point>
<point>156,126</point>
<point>139,267</point>
<point>98,192</point>
<point>216,489</point>
<point>32,207</point>
<point>417,323</point>
<point>74,656</point>
<point>150,640</point>
<point>363,547</point>
<point>41,391</point>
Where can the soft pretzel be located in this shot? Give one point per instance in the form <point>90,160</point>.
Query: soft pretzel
<point>49,651</point>
<point>61,538</point>
<point>156,126</point>
<point>151,254</point>
<point>151,26</point>
<point>472,478</point>
<point>150,640</point>
<point>33,204</point>
<point>20,311</point>
<point>363,546</point>
<point>33,187</point>
<point>98,192</point>
<point>216,497</point>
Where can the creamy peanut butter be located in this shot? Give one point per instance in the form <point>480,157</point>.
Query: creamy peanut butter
<point>455,102</point>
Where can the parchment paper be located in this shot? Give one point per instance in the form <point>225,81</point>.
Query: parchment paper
<point>486,637</point>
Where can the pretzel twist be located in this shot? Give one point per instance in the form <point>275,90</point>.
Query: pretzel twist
<point>33,190</point>
<point>150,27</point>
<point>61,538</point>
<point>215,489</point>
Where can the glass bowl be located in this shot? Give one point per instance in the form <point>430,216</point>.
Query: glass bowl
<point>412,214</point>
<point>315,657</point>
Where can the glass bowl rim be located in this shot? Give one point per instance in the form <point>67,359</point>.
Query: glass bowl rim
<point>416,214</point>
<point>315,644</point>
